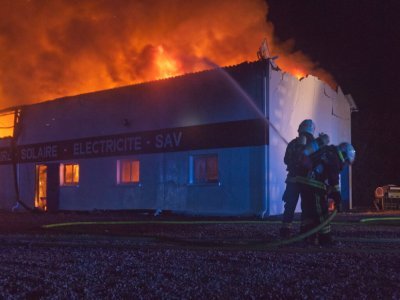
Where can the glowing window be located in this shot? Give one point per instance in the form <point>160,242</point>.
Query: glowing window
<point>128,171</point>
<point>7,124</point>
<point>70,174</point>
<point>204,169</point>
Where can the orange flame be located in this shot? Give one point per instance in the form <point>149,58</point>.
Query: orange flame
<point>61,47</point>
<point>166,65</point>
<point>299,74</point>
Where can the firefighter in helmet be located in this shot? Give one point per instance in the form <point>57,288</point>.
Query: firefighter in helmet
<point>321,183</point>
<point>292,160</point>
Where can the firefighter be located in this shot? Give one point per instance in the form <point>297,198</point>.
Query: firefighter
<point>292,160</point>
<point>321,183</point>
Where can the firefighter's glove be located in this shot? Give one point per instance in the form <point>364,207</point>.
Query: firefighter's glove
<point>337,198</point>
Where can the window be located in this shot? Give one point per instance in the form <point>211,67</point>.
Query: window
<point>204,169</point>
<point>69,174</point>
<point>128,171</point>
<point>7,124</point>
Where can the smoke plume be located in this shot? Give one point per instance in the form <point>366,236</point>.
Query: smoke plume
<point>55,48</point>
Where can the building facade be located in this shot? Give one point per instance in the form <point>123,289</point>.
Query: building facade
<point>208,143</point>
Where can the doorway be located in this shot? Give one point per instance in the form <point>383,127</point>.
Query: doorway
<point>47,188</point>
<point>41,187</point>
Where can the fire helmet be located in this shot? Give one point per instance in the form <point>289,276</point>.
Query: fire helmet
<point>307,126</point>
<point>348,152</point>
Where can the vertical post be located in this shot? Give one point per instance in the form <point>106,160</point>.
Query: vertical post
<point>266,135</point>
<point>350,188</point>
<point>14,156</point>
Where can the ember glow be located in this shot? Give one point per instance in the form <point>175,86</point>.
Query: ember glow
<point>298,73</point>
<point>50,49</point>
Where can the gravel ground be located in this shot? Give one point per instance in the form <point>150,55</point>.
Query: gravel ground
<point>219,260</point>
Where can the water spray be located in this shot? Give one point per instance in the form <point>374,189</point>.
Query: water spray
<point>246,96</point>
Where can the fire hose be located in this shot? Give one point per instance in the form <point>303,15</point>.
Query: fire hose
<point>187,243</point>
<point>259,245</point>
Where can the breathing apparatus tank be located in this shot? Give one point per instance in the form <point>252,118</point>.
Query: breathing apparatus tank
<point>321,141</point>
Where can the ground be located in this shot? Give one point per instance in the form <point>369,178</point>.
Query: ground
<point>118,255</point>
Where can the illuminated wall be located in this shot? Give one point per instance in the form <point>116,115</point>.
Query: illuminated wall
<point>291,101</point>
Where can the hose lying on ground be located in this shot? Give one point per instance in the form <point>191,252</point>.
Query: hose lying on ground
<point>187,243</point>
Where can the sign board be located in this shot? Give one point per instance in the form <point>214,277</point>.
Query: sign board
<point>218,135</point>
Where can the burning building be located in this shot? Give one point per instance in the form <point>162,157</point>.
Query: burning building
<point>209,143</point>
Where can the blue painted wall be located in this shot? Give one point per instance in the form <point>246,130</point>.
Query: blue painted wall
<point>217,96</point>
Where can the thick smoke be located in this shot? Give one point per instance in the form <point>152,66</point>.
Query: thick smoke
<point>55,48</point>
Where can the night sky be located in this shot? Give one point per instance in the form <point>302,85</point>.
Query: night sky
<point>356,42</point>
